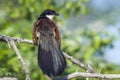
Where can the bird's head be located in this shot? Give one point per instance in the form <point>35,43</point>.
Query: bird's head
<point>49,13</point>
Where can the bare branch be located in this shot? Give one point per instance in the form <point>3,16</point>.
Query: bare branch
<point>80,64</point>
<point>8,78</point>
<point>88,68</point>
<point>20,40</point>
<point>11,42</point>
<point>73,60</point>
<point>90,75</point>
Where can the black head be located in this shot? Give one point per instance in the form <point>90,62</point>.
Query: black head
<point>48,12</point>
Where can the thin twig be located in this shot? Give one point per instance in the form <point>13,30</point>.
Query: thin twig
<point>11,42</point>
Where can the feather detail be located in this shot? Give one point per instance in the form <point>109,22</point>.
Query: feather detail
<point>50,57</point>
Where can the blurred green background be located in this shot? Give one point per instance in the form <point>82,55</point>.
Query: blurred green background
<point>89,29</point>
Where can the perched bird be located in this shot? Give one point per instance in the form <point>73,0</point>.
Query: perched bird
<point>46,36</point>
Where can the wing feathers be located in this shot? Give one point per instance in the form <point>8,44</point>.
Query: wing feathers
<point>50,56</point>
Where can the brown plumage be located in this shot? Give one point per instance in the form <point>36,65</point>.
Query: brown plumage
<point>43,22</point>
<point>46,36</point>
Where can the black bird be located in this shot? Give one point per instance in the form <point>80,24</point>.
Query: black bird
<point>46,36</point>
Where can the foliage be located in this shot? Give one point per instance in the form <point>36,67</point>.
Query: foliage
<point>17,18</point>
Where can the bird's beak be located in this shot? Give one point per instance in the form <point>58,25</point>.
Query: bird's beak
<point>56,14</point>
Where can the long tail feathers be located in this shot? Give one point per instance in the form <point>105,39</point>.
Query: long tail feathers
<point>51,59</point>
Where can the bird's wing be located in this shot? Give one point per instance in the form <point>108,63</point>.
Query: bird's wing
<point>57,36</point>
<point>50,56</point>
<point>35,33</point>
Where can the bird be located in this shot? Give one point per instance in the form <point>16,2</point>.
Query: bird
<point>46,36</point>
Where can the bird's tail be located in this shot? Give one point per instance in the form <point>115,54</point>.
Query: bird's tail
<point>50,57</point>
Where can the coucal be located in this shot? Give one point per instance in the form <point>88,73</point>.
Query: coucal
<point>46,36</point>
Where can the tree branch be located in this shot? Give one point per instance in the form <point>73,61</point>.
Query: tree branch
<point>20,40</point>
<point>88,68</point>
<point>8,78</point>
<point>10,41</point>
<point>90,75</point>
